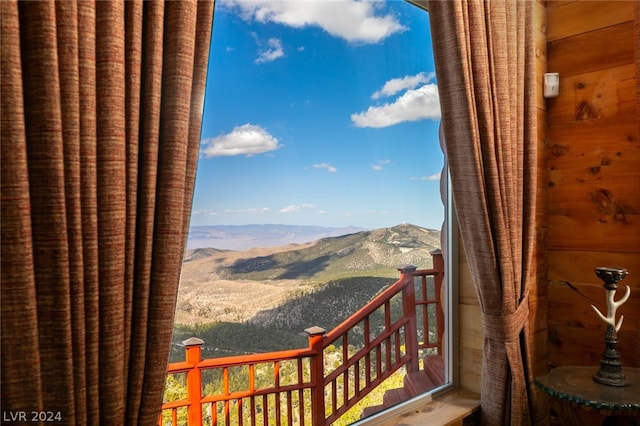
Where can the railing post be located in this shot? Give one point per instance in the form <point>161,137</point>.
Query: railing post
<point>438,265</point>
<point>317,375</point>
<point>194,380</point>
<point>409,312</point>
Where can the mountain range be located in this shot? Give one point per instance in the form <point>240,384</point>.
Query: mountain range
<point>245,237</point>
<point>261,299</point>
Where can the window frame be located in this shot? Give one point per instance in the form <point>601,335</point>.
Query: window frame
<point>450,249</point>
<point>451,340</point>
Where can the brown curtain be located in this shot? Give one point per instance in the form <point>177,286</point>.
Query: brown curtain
<point>101,109</point>
<point>486,77</point>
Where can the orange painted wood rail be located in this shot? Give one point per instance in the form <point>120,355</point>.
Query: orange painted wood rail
<point>316,385</point>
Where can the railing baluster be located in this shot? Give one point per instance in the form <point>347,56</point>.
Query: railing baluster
<point>301,400</point>
<point>424,307</point>
<point>345,374</point>
<point>387,353</point>
<point>387,315</point>
<point>265,409</point>
<point>425,315</point>
<point>225,380</point>
<point>276,379</point>
<point>194,380</point>
<point>409,313</point>
<point>316,344</point>
<point>438,265</point>
<point>252,377</point>
<point>252,407</point>
<point>289,409</point>
<point>367,344</point>
<point>356,378</point>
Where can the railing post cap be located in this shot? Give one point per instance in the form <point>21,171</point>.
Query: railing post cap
<point>315,330</point>
<point>407,268</point>
<point>436,251</point>
<point>193,341</point>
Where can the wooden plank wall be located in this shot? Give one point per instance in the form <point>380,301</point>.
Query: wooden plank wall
<point>589,198</point>
<point>470,335</point>
<point>592,160</point>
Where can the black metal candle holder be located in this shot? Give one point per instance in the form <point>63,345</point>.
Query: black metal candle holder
<point>610,372</point>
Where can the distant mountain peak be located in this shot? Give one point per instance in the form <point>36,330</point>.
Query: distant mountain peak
<point>215,283</point>
<point>244,237</point>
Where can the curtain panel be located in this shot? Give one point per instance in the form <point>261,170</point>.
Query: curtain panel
<point>484,55</point>
<point>101,112</point>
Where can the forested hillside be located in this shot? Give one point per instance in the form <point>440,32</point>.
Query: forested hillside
<point>262,299</point>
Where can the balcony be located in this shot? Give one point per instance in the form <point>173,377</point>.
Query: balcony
<point>399,332</point>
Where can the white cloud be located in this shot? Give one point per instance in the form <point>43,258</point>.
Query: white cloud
<point>326,166</point>
<point>352,20</point>
<point>249,210</point>
<point>428,178</point>
<point>246,140</point>
<point>413,105</point>
<point>293,208</point>
<point>396,85</point>
<point>379,165</point>
<point>205,212</point>
<point>271,53</point>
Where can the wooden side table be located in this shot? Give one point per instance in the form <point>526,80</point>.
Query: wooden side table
<point>574,387</point>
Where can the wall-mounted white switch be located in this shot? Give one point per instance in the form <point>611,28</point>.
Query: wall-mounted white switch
<point>551,84</point>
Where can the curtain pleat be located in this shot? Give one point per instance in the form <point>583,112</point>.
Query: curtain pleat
<point>486,77</point>
<point>88,405</point>
<point>101,114</point>
<point>111,194</point>
<point>69,76</point>
<point>46,175</point>
<point>19,313</point>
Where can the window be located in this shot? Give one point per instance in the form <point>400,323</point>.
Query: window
<point>321,121</point>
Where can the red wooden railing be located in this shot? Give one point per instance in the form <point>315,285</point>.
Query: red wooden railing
<point>374,342</point>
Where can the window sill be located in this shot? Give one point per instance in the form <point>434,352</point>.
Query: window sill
<point>450,408</point>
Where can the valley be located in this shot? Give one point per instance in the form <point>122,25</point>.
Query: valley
<point>262,299</point>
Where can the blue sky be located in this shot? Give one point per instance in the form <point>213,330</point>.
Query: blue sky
<point>320,113</point>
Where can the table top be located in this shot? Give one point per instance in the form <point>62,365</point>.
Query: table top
<point>575,384</point>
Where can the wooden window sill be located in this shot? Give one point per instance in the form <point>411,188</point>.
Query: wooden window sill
<point>448,409</point>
